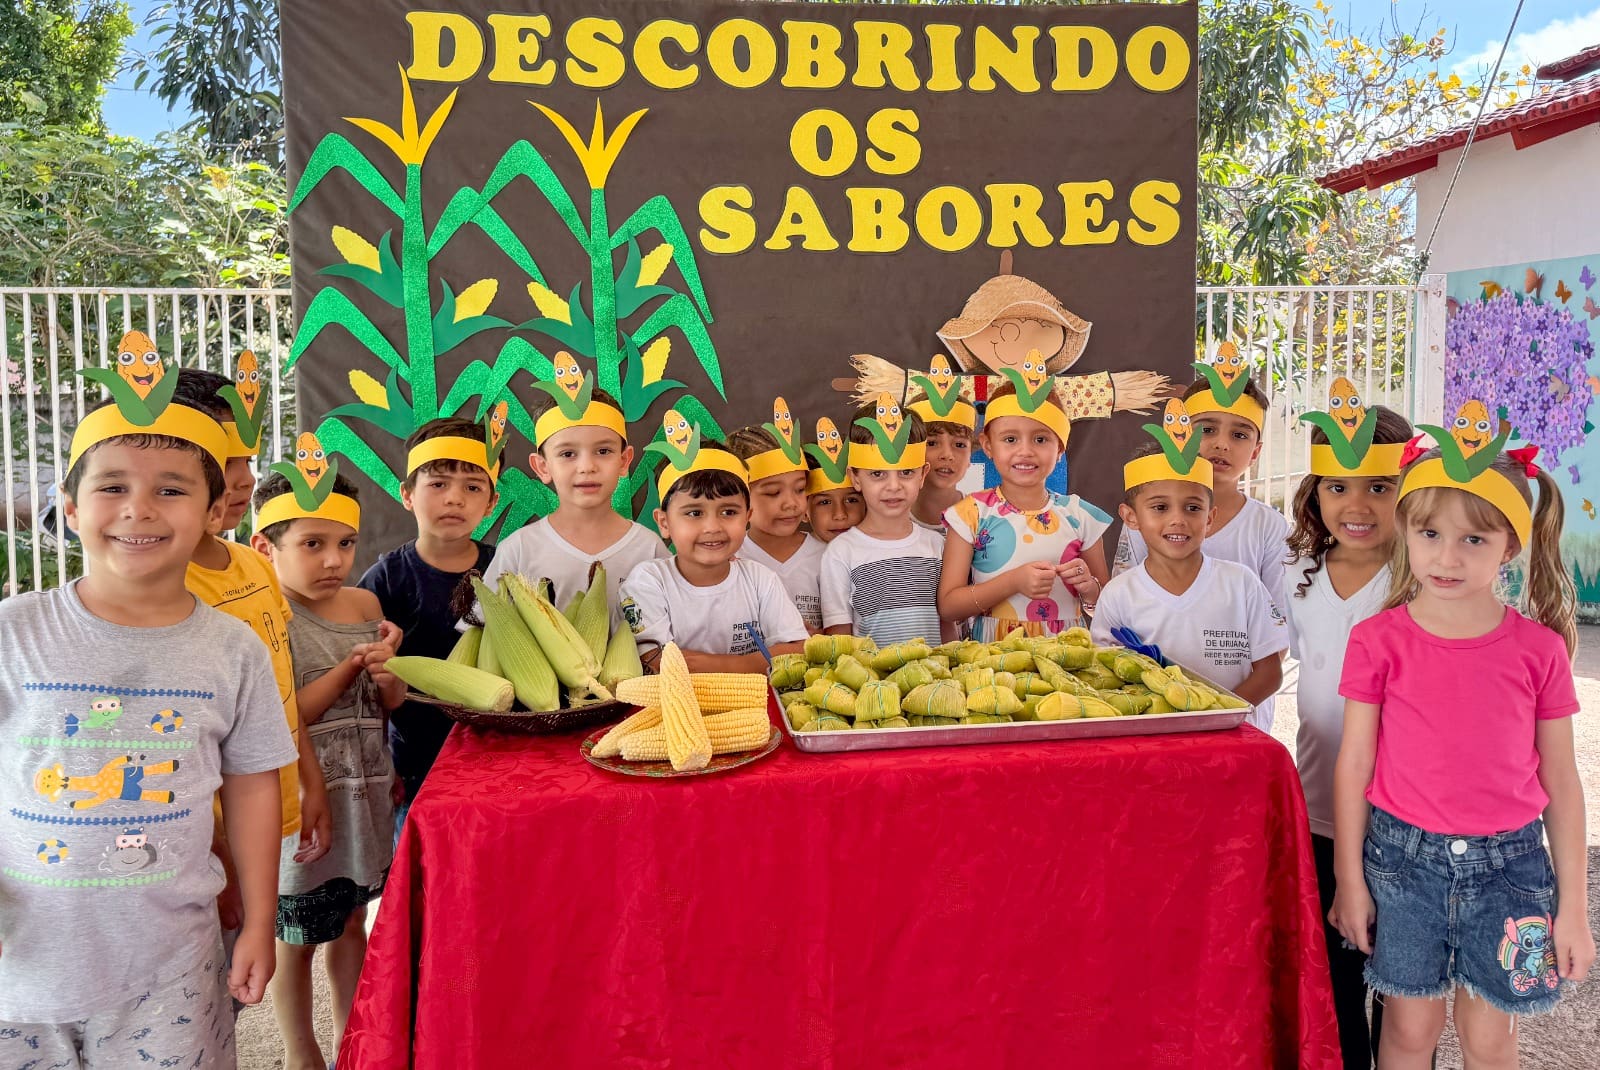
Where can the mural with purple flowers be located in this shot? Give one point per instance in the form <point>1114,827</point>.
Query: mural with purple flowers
<point>1522,337</point>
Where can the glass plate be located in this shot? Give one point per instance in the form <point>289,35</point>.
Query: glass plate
<point>663,770</point>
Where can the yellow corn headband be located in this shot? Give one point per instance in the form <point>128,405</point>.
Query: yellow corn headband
<point>707,460</point>
<point>237,446</point>
<point>175,421</point>
<point>450,448</point>
<point>339,508</point>
<point>1246,408</point>
<point>773,463</point>
<point>1382,459</point>
<point>598,414</point>
<point>1489,485</point>
<point>1048,414</point>
<point>961,413</point>
<point>819,482</point>
<point>1156,467</point>
<point>867,455</point>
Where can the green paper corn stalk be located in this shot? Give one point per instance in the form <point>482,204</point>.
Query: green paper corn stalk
<point>630,363</point>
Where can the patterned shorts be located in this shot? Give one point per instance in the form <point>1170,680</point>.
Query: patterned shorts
<point>187,1025</point>
<point>1472,911</point>
<point>318,916</point>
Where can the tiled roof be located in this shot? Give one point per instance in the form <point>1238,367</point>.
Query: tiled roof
<point>1565,107</point>
<point>1573,66</point>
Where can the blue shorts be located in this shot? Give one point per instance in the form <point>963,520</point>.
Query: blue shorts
<point>1468,911</point>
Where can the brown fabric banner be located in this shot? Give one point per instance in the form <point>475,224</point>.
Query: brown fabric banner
<point>477,190</point>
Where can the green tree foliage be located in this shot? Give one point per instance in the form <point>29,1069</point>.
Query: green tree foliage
<point>81,209</point>
<point>220,59</point>
<point>55,58</point>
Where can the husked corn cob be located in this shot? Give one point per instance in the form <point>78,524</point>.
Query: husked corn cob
<point>622,658</point>
<point>452,682</point>
<point>688,744</point>
<point>594,615</point>
<point>610,744</point>
<point>716,692</point>
<point>574,663</point>
<point>519,656</point>
<point>465,651</point>
<point>729,732</point>
<point>488,661</point>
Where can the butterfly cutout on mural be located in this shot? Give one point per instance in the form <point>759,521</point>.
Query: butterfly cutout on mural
<point>1586,277</point>
<point>1590,307</point>
<point>1491,289</point>
<point>1532,283</point>
<point>1562,292</point>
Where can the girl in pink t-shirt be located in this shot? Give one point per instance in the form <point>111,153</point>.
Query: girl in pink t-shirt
<point>1457,738</point>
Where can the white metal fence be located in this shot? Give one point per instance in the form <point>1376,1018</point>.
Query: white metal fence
<point>1389,341</point>
<point>47,335</point>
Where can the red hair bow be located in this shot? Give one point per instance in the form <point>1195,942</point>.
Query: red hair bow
<point>1525,457</point>
<point>1413,450</point>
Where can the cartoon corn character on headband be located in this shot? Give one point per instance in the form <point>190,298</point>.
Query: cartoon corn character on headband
<point>942,402</point>
<point>485,454</point>
<point>1180,452</point>
<point>891,448</point>
<point>311,495</point>
<point>1465,462</point>
<point>831,452</point>
<point>574,407</point>
<point>684,455</point>
<point>1228,381</point>
<point>141,386</point>
<point>1033,400</point>
<point>788,457</point>
<point>243,396</point>
<point>1350,425</point>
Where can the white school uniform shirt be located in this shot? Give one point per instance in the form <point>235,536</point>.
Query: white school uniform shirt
<point>801,575</point>
<point>662,607</point>
<point>1222,624</point>
<point>1319,627</point>
<point>538,551</point>
<point>1257,538</point>
<point>884,588</point>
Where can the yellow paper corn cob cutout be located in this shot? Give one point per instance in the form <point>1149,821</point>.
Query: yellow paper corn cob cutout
<point>369,390</point>
<point>654,263</point>
<point>549,304</point>
<point>355,249</point>
<point>474,300</point>
<point>655,359</point>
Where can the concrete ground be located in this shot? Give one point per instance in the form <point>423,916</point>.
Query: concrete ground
<point>1569,1039</point>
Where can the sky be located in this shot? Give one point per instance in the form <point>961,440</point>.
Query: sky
<point>1546,30</point>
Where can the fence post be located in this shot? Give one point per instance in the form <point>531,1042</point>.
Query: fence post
<point>1427,380</point>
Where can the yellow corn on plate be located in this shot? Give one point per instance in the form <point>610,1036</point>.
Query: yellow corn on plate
<point>716,692</point>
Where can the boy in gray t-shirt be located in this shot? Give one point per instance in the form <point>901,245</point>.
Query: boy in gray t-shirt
<point>125,707</point>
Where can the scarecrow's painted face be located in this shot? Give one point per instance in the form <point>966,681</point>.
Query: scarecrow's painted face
<point>310,458</point>
<point>1007,341</point>
<point>783,419</point>
<point>888,415</point>
<point>940,375</point>
<point>1472,429</point>
<point>139,363</point>
<point>1346,406</point>
<point>678,430</point>
<point>1034,372</point>
<point>497,423</point>
<point>828,438</point>
<point>1229,363</point>
<point>1175,421</point>
<point>569,377</point>
<point>247,380</point>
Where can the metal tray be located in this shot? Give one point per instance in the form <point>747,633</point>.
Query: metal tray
<point>1145,724</point>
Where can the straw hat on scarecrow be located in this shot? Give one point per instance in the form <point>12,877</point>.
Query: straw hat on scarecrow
<point>1008,317</point>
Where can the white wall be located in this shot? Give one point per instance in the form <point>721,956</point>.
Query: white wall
<point>1511,206</point>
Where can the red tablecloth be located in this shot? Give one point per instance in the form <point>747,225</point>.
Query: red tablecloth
<point>1131,903</point>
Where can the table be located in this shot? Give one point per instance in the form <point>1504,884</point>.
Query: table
<point>1134,903</point>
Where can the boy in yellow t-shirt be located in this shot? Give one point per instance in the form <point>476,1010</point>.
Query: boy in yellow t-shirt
<point>241,583</point>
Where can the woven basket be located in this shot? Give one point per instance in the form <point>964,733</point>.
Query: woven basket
<point>526,722</point>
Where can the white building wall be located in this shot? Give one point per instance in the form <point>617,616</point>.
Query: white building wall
<point>1514,206</point>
